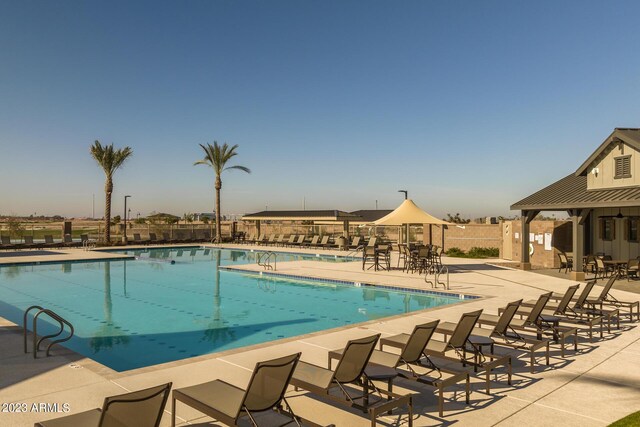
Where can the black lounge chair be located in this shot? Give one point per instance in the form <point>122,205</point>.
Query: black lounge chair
<point>352,370</point>
<point>229,404</point>
<point>504,335</point>
<point>138,408</point>
<point>412,363</point>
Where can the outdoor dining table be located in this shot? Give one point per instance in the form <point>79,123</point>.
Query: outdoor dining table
<point>616,263</point>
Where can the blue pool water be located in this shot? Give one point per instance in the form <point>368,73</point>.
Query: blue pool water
<point>134,313</point>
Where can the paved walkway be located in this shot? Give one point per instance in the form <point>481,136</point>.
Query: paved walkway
<point>596,386</point>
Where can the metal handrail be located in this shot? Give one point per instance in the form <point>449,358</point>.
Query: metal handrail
<point>437,272</point>
<point>36,343</point>
<point>266,264</point>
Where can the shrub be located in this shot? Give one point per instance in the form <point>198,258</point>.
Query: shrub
<point>455,252</point>
<point>483,252</point>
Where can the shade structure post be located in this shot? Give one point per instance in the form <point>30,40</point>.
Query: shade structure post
<point>345,229</point>
<point>257,229</point>
<point>525,219</point>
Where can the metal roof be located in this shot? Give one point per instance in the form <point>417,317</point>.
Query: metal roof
<point>370,215</point>
<point>317,215</point>
<point>571,192</point>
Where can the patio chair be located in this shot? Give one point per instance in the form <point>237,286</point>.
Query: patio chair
<point>602,269</point>
<point>279,240</point>
<point>369,256</point>
<point>351,372</point>
<point>409,362</point>
<point>533,323</point>
<point>565,262</point>
<point>606,298</point>
<point>229,404</point>
<point>142,408</point>
<point>504,335</point>
<point>631,269</point>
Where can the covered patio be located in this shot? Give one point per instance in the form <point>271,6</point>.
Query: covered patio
<point>602,198</point>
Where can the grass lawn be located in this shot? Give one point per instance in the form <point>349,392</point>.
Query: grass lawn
<point>628,421</point>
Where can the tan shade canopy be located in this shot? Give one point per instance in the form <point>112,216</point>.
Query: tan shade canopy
<point>409,213</point>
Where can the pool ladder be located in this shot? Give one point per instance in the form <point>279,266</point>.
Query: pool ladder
<point>437,272</point>
<point>36,343</point>
<point>264,259</point>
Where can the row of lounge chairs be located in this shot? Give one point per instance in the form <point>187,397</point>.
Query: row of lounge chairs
<point>48,243</point>
<point>418,357</point>
<point>301,241</point>
<point>179,236</point>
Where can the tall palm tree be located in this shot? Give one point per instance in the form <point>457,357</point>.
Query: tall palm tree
<point>217,156</point>
<point>109,160</point>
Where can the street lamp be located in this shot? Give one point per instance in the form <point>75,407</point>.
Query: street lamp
<point>124,237</point>
<point>406,193</point>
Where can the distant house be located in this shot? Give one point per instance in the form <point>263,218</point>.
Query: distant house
<point>602,197</point>
<point>210,216</point>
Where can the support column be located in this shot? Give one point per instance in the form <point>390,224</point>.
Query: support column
<point>431,234</point>
<point>526,218</point>
<point>578,219</point>
<point>257,229</point>
<point>345,230</point>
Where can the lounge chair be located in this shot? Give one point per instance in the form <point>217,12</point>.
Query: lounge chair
<point>504,335</point>
<point>559,313</point>
<point>300,241</point>
<point>49,242</point>
<point>29,243</point>
<point>6,243</point>
<point>166,237</point>
<point>153,238</point>
<point>291,240</point>
<point>606,298</point>
<point>323,243</point>
<point>355,243</point>
<point>69,243</point>
<point>314,242</point>
<point>269,241</point>
<point>142,408</point>
<point>249,239</point>
<point>228,404</point>
<point>461,341</point>
<point>351,370</point>
<point>372,241</point>
<point>279,240</point>
<point>533,323</point>
<point>580,310</point>
<point>409,361</point>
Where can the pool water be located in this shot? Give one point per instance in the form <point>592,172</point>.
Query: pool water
<point>134,313</point>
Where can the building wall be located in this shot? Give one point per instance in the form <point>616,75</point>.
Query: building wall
<point>606,168</point>
<point>560,233</point>
<point>467,236</point>
<point>620,247</point>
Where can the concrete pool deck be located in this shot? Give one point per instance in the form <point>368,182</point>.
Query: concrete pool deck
<point>595,387</point>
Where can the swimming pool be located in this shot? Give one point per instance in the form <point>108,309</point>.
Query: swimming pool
<point>134,313</point>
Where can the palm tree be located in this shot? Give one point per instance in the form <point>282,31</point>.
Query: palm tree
<point>217,156</point>
<point>109,160</point>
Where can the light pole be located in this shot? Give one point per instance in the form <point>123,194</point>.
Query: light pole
<point>124,235</point>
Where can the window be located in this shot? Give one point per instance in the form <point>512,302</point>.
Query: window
<point>622,167</point>
<point>632,229</point>
<point>607,229</point>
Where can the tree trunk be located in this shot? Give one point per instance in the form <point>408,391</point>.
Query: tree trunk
<point>108,189</point>
<point>218,216</point>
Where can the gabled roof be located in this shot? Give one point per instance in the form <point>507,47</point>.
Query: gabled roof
<point>318,215</point>
<point>571,192</point>
<point>630,136</point>
<point>370,215</point>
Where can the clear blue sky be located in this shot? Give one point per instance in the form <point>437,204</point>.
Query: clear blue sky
<point>469,105</point>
